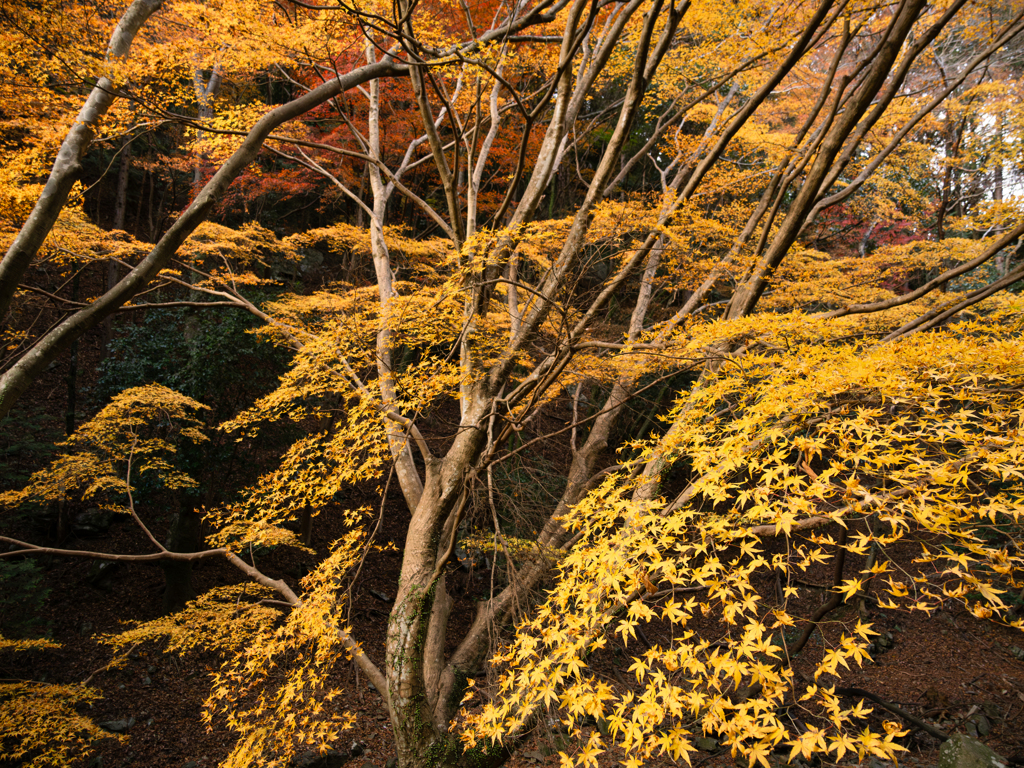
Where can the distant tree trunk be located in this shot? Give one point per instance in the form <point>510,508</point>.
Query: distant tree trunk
<point>956,171</point>
<point>152,196</point>
<point>306,526</point>
<point>362,192</point>
<point>205,93</point>
<point>62,512</point>
<point>156,215</point>
<point>185,536</point>
<point>138,205</point>
<point>862,249</point>
<point>997,185</point>
<point>120,207</point>
<point>72,379</point>
<point>121,202</point>
<point>1003,260</point>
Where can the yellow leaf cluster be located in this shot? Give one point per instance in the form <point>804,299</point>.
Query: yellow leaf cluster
<point>135,434</point>
<point>40,725</point>
<point>907,441</point>
<point>275,693</point>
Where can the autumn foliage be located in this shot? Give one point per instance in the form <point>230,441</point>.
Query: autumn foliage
<point>747,270</point>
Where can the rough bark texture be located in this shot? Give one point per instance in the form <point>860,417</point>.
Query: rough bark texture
<point>417,740</point>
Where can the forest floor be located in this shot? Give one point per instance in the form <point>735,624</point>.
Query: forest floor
<point>949,669</point>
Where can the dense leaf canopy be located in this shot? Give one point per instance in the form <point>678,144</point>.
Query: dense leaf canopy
<point>658,306</point>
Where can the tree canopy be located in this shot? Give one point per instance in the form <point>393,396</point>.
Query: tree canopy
<point>658,304</point>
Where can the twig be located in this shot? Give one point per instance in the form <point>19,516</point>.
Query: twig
<point>109,664</point>
<point>931,730</point>
<point>33,549</point>
<point>274,603</point>
<point>834,602</point>
<point>369,544</point>
<point>460,508</point>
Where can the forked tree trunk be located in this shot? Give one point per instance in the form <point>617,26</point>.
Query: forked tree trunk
<point>418,742</point>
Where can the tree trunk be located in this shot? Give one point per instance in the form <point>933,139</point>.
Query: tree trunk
<point>72,380</point>
<point>120,208</point>
<point>185,536</point>
<point>205,93</point>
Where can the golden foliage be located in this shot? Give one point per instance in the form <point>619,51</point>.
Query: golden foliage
<point>40,725</point>
<point>909,441</point>
<point>6,644</point>
<point>39,722</point>
<point>276,693</point>
<point>221,620</point>
<point>135,434</point>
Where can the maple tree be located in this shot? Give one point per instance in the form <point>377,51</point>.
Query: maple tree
<point>828,403</point>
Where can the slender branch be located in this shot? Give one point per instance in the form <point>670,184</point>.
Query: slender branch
<point>1006,240</point>
<point>109,664</point>
<point>771,529</point>
<point>389,413</point>
<point>575,423</point>
<point>278,585</point>
<point>131,501</point>
<point>155,557</point>
<point>410,425</point>
<point>444,558</point>
<point>834,602</point>
<point>940,315</point>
